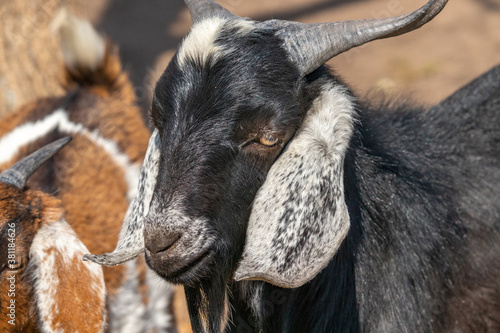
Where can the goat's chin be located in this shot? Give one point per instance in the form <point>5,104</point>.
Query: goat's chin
<point>192,270</point>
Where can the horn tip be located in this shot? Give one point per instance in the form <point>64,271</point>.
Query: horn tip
<point>102,260</point>
<point>65,140</point>
<point>111,259</point>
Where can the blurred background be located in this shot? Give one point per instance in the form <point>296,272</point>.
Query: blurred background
<point>426,65</point>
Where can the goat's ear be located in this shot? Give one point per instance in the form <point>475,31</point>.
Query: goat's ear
<point>299,217</point>
<point>81,45</point>
<point>131,239</point>
<point>69,294</point>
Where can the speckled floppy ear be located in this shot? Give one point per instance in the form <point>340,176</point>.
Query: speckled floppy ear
<point>131,239</point>
<point>299,217</point>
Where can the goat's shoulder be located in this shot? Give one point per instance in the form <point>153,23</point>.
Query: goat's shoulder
<point>426,183</point>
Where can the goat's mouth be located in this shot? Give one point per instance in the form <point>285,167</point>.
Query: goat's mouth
<point>192,269</point>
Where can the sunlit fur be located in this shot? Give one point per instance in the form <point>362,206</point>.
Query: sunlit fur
<point>211,158</point>
<point>94,177</point>
<point>47,294</point>
<point>421,188</point>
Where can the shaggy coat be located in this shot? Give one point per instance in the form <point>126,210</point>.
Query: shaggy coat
<point>88,185</point>
<point>352,218</point>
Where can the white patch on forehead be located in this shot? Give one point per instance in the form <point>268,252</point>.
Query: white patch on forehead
<point>200,45</point>
<point>53,244</point>
<point>30,132</point>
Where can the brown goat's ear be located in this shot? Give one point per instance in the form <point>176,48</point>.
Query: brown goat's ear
<point>82,46</point>
<point>69,294</point>
<point>131,239</point>
<point>299,217</point>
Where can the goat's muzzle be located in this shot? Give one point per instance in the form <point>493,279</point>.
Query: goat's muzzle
<point>180,249</point>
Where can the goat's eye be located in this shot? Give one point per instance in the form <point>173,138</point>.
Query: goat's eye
<point>268,140</point>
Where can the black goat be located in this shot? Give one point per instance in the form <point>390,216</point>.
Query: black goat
<point>263,167</point>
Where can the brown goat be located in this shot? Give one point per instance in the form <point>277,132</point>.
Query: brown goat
<point>93,178</point>
<point>39,259</point>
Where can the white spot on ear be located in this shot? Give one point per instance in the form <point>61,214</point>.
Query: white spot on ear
<point>200,44</point>
<point>299,217</point>
<point>81,45</point>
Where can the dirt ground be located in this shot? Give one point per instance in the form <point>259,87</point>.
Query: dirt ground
<point>428,64</point>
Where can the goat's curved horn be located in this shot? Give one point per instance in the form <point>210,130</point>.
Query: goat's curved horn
<point>200,9</point>
<point>18,174</point>
<point>311,45</point>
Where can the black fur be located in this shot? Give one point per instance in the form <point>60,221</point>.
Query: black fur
<point>209,122</point>
<point>422,189</point>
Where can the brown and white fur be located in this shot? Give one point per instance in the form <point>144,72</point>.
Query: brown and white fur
<point>76,201</point>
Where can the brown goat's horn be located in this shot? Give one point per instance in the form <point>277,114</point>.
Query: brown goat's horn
<point>311,45</point>
<point>19,173</point>
<point>201,9</point>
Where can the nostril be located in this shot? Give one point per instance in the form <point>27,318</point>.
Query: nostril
<point>161,243</point>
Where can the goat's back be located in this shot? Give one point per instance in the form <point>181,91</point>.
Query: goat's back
<point>429,181</point>
<point>96,174</point>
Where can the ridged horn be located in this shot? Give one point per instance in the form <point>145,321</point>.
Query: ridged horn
<point>201,9</point>
<point>311,45</point>
<point>18,174</point>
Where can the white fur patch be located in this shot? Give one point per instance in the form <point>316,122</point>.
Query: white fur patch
<point>160,295</point>
<point>200,44</point>
<point>129,314</point>
<point>57,241</point>
<point>126,310</point>
<point>81,45</point>
<point>22,135</point>
<point>299,217</point>
<point>30,132</point>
